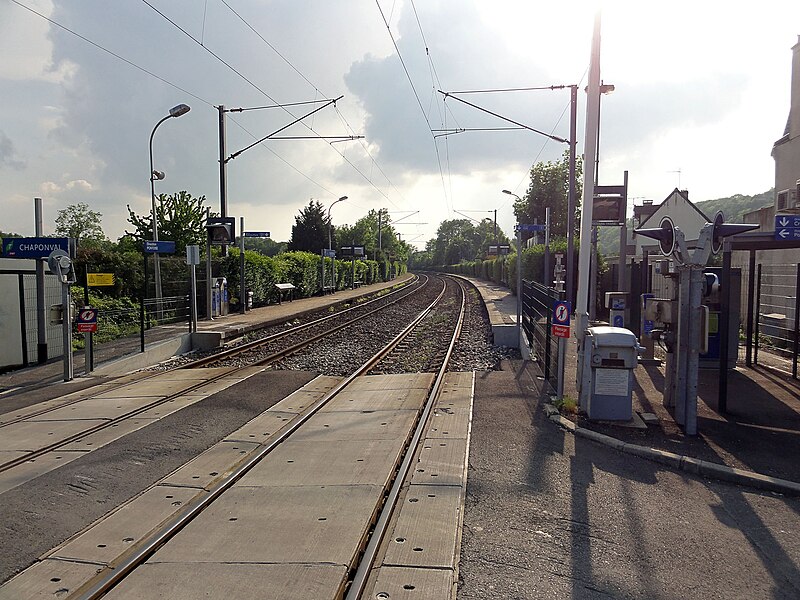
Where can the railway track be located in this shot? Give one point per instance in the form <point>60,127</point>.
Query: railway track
<point>370,545</point>
<point>260,352</point>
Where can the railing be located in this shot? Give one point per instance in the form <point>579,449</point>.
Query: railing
<point>538,303</point>
<point>169,309</point>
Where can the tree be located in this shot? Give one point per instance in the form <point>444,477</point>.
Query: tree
<point>264,246</point>
<point>77,221</point>
<point>181,219</point>
<point>549,188</point>
<point>310,229</point>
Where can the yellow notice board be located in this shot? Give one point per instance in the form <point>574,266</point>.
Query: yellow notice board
<point>99,279</point>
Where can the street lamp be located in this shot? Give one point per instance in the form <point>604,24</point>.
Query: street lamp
<point>330,226</point>
<point>175,111</point>
<point>333,259</point>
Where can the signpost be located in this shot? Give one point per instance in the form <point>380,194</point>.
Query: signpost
<point>561,324</point>
<point>160,247</point>
<point>33,247</point>
<point>256,234</point>
<point>87,320</point>
<point>787,227</point>
<point>99,279</point>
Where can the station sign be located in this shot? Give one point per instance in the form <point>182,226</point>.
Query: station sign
<point>502,249</point>
<point>787,227</point>
<point>33,247</point>
<point>87,320</point>
<point>329,253</point>
<point>159,247</point>
<point>99,279</point>
<point>256,234</point>
<point>352,250</point>
<point>561,326</point>
<point>529,227</point>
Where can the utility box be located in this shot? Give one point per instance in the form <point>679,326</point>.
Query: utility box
<point>219,297</point>
<point>610,354</point>
<point>616,303</point>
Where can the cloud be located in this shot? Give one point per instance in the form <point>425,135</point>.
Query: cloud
<point>80,184</point>
<point>49,188</point>
<point>8,154</point>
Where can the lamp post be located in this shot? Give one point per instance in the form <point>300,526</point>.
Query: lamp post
<point>175,111</point>
<point>330,227</point>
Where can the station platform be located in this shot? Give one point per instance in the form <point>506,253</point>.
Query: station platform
<point>123,356</point>
<point>757,441</point>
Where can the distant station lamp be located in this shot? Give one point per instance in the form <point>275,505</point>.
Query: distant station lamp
<point>175,111</point>
<point>330,225</point>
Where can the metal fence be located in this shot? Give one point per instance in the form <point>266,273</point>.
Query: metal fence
<point>777,307</point>
<point>538,303</point>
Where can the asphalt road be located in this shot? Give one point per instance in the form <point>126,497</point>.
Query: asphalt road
<point>44,512</point>
<point>552,516</point>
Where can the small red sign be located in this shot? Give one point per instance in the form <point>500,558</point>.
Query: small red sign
<point>561,331</point>
<point>87,327</point>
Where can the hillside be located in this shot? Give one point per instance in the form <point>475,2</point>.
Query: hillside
<point>733,208</point>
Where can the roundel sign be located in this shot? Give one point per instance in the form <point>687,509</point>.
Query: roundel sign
<point>561,313</point>
<point>87,320</point>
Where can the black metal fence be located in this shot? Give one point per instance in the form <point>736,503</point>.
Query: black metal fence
<point>538,303</point>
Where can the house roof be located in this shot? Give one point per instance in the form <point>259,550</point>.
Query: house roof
<point>684,194</point>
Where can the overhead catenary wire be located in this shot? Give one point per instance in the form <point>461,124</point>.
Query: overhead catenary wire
<point>167,82</point>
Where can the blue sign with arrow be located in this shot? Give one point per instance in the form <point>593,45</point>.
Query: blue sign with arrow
<point>787,227</point>
<point>256,234</point>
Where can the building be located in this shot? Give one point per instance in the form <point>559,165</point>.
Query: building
<point>677,206</point>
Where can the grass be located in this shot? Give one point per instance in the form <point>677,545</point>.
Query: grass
<point>566,405</point>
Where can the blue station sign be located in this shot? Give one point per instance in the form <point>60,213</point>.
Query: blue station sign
<point>159,247</point>
<point>529,227</point>
<point>787,227</point>
<point>33,247</point>
<point>256,234</point>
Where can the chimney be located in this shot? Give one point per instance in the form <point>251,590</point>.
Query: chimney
<point>794,110</point>
<point>685,193</point>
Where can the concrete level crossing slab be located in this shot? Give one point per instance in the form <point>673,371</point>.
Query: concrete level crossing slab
<point>323,383</point>
<point>171,406</point>
<point>32,435</point>
<point>150,387</point>
<point>312,463</point>
<point>453,396</point>
<point>380,425</point>
<point>121,529</point>
<point>297,402</point>
<point>441,462</point>
<point>35,467</point>
<point>449,423</point>
<point>188,581</point>
<point>304,524</point>
<point>96,408</point>
<point>49,579</point>
<point>263,427</point>
<point>193,374</point>
<point>401,583</point>
<point>425,532</point>
<point>359,400</point>
<point>210,466</point>
<point>100,438</point>
<point>393,382</point>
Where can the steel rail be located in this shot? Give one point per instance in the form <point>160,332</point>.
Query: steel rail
<point>111,575</point>
<point>364,569</point>
<point>261,362</point>
<point>207,360</point>
<point>242,348</point>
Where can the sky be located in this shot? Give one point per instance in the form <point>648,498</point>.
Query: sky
<point>702,92</point>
